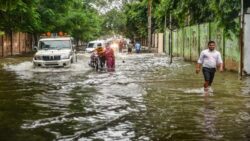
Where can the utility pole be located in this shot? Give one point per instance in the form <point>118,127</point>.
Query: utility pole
<point>164,35</point>
<point>149,24</point>
<point>170,38</point>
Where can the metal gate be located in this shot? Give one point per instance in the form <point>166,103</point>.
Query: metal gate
<point>247,44</point>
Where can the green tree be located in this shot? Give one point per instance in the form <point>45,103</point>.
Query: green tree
<point>76,17</point>
<point>114,22</point>
<point>53,14</point>
<point>136,25</point>
<point>190,12</point>
<point>19,15</point>
<point>225,13</point>
<point>84,26</point>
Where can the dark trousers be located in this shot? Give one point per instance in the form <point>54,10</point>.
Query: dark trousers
<point>138,50</point>
<point>102,61</point>
<point>208,74</point>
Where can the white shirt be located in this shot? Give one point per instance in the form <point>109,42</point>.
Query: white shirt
<point>210,59</point>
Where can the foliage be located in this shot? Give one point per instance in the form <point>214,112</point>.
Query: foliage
<point>114,22</point>
<point>84,26</point>
<point>136,25</point>
<point>8,5</point>
<point>225,13</point>
<point>19,15</point>
<point>75,17</point>
<point>190,12</point>
<point>81,20</point>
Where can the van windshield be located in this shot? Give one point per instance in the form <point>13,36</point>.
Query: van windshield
<point>54,44</point>
<point>90,45</point>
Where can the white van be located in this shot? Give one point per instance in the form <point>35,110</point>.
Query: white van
<point>55,52</point>
<point>93,44</point>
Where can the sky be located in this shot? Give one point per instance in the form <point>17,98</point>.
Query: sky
<point>114,4</point>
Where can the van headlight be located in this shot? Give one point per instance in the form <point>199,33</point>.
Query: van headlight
<point>65,56</point>
<point>38,57</point>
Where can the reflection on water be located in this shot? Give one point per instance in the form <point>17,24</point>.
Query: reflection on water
<point>210,120</point>
<point>145,99</point>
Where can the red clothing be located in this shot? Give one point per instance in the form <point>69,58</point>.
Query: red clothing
<point>110,59</point>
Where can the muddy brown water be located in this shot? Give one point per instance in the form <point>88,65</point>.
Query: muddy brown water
<point>145,99</point>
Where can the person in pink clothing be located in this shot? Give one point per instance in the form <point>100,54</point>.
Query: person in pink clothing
<point>110,58</point>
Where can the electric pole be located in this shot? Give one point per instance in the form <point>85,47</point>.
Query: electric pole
<point>149,24</point>
<point>170,39</point>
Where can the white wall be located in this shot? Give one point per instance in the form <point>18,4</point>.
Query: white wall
<point>247,44</point>
<point>160,43</point>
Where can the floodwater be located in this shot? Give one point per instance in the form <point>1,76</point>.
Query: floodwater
<point>146,99</point>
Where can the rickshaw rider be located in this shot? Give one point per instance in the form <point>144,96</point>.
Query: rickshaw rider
<point>100,52</point>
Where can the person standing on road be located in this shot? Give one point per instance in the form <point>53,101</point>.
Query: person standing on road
<point>130,46</point>
<point>121,45</point>
<point>209,59</point>
<point>137,47</point>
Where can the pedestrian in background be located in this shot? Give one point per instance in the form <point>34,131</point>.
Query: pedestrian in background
<point>121,45</point>
<point>137,47</point>
<point>209,59</point>
<point>130,46</point>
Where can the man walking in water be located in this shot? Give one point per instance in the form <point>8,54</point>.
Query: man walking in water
<point>209,59</point>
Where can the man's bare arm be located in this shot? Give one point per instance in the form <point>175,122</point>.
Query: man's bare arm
<point>197,68</point>
<point>221,67</point>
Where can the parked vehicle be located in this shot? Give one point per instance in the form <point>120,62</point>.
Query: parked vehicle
<point>93,44</point>
<point>55,52</point>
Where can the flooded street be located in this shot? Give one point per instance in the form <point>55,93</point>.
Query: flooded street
<point>146,99</point>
